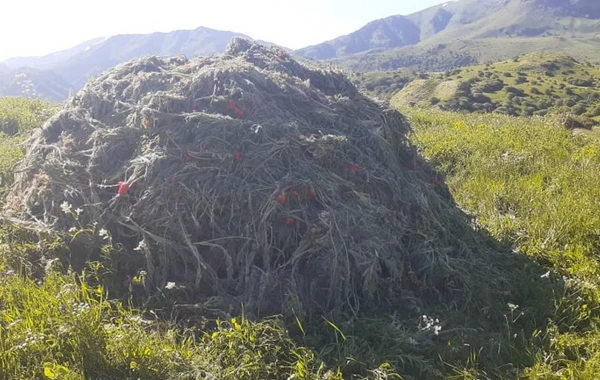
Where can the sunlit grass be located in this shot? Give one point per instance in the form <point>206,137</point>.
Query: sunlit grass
<point>62,328</point>
<point>533,185</point>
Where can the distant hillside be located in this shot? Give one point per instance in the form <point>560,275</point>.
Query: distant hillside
<point>53,59</point>
<point>91,58</point>
<point>382,85</point>
<point>464,32</point>
<point>33,84</point>
<point>388,33</point>
<point>532,84</point>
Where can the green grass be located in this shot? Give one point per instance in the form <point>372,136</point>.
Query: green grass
<point>533,185</point>
<point>18,117</point>
<point>61,327</point>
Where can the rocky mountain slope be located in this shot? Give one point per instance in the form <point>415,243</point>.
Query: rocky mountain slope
<point>468,31</point>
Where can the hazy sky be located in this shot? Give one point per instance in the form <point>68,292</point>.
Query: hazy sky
<point>37,27</point>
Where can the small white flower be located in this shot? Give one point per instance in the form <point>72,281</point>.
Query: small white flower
<point>430,324</point>
<point>78,211</point>
<point>103,233</point>
<point>512,306</point>
<point>140,246</point>
<point>72,229</point>
<point>66,207</point>
<point>170,285</point>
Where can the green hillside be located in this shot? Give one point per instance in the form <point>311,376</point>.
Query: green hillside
<point>455,53</point>
<point>383,84</point>
<point>532,84</point>
<point>460,33</point>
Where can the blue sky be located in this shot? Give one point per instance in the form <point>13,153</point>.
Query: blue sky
<point>38,27</point>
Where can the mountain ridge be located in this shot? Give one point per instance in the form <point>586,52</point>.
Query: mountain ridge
<point>92,57</point>
<point>438,38</point>
<point>552,25</point>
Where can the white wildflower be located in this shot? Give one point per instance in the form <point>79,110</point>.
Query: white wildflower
<point>78,211</point>
<point>141,246</point>
<point>72,229</point>
<point>430,324</point>
<point>170,285</point>
<point>66,207</point>
<point>512,306</point>
<point>103,233</point>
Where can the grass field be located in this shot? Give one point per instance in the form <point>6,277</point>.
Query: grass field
<point>18,117</point>
<point>534,186</point>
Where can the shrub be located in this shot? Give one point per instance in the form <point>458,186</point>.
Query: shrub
<point>514,90</point>
<point>595,111</point>
<point>579,109</point>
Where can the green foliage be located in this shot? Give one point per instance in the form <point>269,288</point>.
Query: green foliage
<point>534,185</point>
<point>18,117</point>
<point>416,58</point>
<point>383,84</point>
<point>60,327</point>
<point>529,89</point>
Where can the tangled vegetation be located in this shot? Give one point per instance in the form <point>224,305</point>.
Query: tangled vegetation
<point>250,179</point>
<point>252,185</point>
<point>275,182</point>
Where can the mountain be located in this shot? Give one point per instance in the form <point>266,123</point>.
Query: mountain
<point>33,83</point>
<point>50,60</point>
<point>466,32</point>
<point>91,58</point>
<point>389,33</point>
